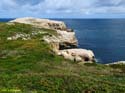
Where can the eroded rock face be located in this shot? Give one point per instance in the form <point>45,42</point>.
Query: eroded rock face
<point>63,43</point>
<point>78,55</point>
<point>66,37</point>
<point>65,40</point>
<point>53,41</point>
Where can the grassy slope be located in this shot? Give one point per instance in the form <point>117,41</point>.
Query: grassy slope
<point>31,66</point>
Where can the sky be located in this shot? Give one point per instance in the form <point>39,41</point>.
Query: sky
<point>62,8</point>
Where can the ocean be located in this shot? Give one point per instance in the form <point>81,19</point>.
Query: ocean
<point>106,37</point>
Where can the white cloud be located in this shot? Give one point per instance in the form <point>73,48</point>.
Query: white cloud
<point>17,8</point>
<point>7,4</point>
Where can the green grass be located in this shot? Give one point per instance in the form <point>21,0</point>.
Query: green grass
<point>31,66</point>
<point>11,30</point>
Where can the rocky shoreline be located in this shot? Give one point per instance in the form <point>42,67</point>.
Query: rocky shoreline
<point>115,63</point>
<point>63,44</point>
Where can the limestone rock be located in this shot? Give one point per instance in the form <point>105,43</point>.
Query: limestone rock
<point>21,36</point>
<point>53,41</point>
<point>115,63</point>
<point>62,43</point>
<point>78,55</point>
<point>42,23</point>
<point>65,38</point>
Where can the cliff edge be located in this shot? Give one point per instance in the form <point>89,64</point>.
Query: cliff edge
<point>64,43</point>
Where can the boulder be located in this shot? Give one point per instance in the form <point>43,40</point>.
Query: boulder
<point>78,55</point>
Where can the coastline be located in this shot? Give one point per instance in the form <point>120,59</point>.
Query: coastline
<point>28,64</point>
<point>9,19</point>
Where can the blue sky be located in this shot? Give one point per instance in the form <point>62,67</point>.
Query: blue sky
<point>62,8</point>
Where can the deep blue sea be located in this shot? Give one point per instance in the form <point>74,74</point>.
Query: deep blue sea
<point>106,37</point>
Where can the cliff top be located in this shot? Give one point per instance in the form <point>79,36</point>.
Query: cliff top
<point>43,23</point>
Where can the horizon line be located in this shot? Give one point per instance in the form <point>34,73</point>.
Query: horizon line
<point>66,18</point>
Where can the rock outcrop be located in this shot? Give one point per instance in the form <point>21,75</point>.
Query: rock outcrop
<point>64,40</point>
<point>42,23</point>
<point>66,37</point>
<point>78,55</point>
<point>117,63</point>
<point>64,43</point>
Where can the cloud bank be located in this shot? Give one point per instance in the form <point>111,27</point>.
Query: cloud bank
<point>62,8</point>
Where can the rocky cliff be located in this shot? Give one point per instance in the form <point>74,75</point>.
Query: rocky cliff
<point>42,23</point>
<point>64,43</point>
